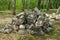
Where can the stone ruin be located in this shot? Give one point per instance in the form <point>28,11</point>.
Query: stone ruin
<point>31,22</point>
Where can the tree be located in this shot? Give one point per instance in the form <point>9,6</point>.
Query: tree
<point>48,5</point>
<point>55,4</point>
<point>58,2</point>
<point>38,5</point>
<point>28,4</point>
<point>23,3</point>
<point>3,4</point>
<point>9,2</point>
<point>14,7</point>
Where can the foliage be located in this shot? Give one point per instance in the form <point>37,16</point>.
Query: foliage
<point>33,3</point>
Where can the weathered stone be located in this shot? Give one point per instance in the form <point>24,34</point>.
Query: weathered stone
<point>14,21</point>
<point>20,18</point>
<point>18,22</point>
<point>31,18</point>
<point>7,29</point>
<point>15,28</point>
<point>20,14</point>
<point>39,23</point>
<point>46,26</point>
<point>37,31</point>
<point>49,29</point>
<point>22,29</point>
<point>27,26</point>
<point>22,32</point>
<point>8,26</point>
<point>37,11</point>
<point>1,30</point>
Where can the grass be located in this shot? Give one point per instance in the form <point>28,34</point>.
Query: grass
<point>53,35</point>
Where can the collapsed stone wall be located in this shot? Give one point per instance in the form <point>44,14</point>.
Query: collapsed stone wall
<point>32,22</point>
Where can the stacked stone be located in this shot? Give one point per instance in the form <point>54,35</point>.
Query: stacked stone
<point>33,22</point>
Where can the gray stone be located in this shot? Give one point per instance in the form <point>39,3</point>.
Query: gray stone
<point>22,32</point>
<point>41,32</point>
<point>31,18</point>
<point>49,29</point>
<point>7,29</point>
<point>14,21</point>
<point>15,28</point>
<point>21,18</point>
<point>7,26</point>
<point>47,26</point>
<point>20,14</point>
<point>1,30</point>
<point>29,26</point>
<point>37,11</point>
<point>37,31</point>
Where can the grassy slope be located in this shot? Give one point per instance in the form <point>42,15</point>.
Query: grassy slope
<point>54,35</point>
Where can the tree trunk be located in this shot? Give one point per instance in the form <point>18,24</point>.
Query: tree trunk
<point>56,3</point>
<point>14,7</point>
<point>28,4</point>
<point>59,2</point>
<point>23,3</point>
<point>48,5</point>
<point>38,5</point>
<point>3,4</point>
<point>9,2</point>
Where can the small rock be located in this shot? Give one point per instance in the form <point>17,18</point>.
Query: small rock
<point>22,32</point>
<point>39,23</point>
<point>22,27</point>
<point>49,29</point>
<point>20,14</point>
<point>14,21</point>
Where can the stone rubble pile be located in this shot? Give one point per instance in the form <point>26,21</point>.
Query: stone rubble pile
<point>32,22</point>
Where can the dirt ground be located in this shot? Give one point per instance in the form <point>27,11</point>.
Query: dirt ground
<point>53,35</point>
